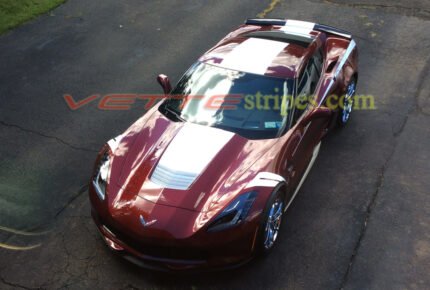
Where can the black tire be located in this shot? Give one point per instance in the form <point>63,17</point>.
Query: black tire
<point>262,247</point>
<point>346,108</point>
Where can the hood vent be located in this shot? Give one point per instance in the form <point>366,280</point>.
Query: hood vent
<point>169,178</point>
<point>188,155</point>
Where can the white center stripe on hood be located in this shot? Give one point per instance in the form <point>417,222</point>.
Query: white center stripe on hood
<point>188,154</point>
<point>254,55</point>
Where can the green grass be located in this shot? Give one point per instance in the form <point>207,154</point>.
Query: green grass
<point>15,12</point>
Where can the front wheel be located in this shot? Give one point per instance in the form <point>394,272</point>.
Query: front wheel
<point>272,222</point>
<point>348,103</point>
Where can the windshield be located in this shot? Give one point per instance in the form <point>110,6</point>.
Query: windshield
<point>253,106</point>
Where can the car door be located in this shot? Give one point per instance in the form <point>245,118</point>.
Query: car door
<point>306,134</point>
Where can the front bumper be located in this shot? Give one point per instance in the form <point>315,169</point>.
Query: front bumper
<point>165,252</point>
<point>165,258</point>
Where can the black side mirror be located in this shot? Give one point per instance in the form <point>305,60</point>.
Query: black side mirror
<point>320,112</point>
<point>164,82</point>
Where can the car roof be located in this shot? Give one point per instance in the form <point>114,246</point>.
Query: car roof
<point>270,50</point>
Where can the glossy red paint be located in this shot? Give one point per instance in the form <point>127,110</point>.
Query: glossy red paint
<point>177,238</point>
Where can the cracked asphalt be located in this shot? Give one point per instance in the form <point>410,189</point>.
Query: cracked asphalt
<point>361,220</point>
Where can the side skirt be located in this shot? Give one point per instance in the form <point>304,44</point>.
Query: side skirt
<point>311,163</point>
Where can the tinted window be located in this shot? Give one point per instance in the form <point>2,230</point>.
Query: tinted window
<point>307,84</point>
<point>317,61</point>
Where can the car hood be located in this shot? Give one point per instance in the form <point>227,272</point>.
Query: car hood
<point>181,164</point>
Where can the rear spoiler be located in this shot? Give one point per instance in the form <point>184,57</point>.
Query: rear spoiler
<point>282,22</point>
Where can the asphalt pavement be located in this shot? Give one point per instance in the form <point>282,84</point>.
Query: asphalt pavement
<point>360,221</point>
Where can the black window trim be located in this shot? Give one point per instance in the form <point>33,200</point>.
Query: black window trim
<point>297,83</point>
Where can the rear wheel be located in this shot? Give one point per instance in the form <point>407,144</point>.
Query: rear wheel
<point>348,103</point>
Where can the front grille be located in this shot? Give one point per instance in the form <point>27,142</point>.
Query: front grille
<point>169,178</point>
<point>159,251</point>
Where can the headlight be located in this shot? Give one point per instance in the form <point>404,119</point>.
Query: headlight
<point>234,213</point>
<point>101,175</point>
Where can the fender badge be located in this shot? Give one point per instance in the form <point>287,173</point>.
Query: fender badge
<point>145,223</point>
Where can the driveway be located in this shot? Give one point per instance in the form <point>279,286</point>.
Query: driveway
<point>361,220</point>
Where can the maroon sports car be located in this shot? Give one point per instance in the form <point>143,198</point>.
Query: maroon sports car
<point>203,178</point>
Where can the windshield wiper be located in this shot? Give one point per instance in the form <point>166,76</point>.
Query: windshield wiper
<point>175,113</point>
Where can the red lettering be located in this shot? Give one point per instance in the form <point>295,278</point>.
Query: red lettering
<point>152,100</point>
<point>224,102</point>
<point>117,102</point>
<point>73,105</point>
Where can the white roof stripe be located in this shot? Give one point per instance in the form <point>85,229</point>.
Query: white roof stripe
<point>298,27</point>
<point>254,55</point>
<point>298,23</point>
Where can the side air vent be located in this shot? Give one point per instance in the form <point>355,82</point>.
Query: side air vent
<point>331,66</point>
<point>278,35</point>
